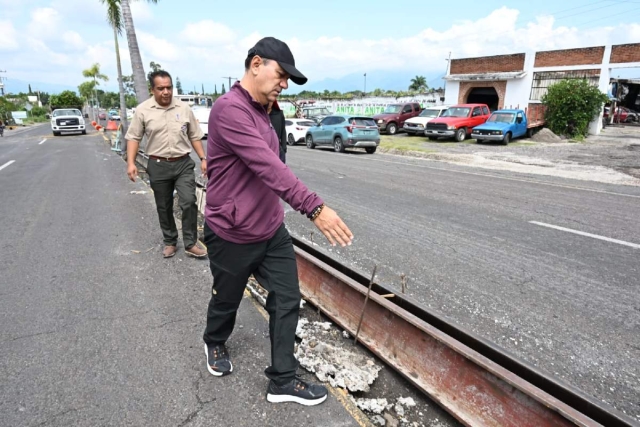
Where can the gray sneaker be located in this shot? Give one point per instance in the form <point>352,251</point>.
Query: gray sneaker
<point>218,362</point>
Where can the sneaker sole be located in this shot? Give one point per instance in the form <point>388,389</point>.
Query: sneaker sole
<point>192,255</point>
<point>281,398</point>
<point>211,371</point>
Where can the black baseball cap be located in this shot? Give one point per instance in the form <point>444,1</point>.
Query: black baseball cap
<point>277,50</point>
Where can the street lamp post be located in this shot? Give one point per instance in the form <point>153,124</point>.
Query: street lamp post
<point>365,85</point>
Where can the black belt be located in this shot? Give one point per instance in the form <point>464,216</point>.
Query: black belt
<point>168,159</point>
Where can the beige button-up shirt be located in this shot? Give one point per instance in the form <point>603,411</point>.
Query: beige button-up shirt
<point>169,130</point>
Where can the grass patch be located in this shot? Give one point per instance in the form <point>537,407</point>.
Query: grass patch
<point>409,143</point>
<point>33,120</point>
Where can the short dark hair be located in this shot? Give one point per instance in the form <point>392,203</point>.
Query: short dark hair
<point>159,73</point>
<point>247,62</point>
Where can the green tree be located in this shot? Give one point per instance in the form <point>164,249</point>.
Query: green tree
<point>154,66</point>
<point>94,73</point>
<point>129,88</point>
<point>178,85</point>
<point>65,99</point>
<point>571,105</point>
<point>30,91</point>
<point>222,92</point>
<point>215,90</point>
<point>86,89</point>
<point>38,111</point>
<point>418,84</point>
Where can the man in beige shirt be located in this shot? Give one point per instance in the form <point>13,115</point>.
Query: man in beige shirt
<point>171,130</point>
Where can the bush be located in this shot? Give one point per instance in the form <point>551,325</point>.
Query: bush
<point>38,111</point>
<point>571,105</point>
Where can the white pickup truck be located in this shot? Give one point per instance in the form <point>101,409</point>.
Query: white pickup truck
<point>67,120</point>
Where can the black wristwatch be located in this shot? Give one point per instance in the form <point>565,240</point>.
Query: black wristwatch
<point>203,158</point>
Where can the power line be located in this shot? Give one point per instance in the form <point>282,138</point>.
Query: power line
<point>608,16</point>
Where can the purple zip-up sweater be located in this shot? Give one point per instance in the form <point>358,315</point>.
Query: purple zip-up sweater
<point>247,179</point>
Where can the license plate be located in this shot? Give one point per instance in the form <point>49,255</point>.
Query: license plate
<point>63,123</point>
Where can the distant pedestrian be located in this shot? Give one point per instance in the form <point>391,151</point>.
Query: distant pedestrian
<point>244,220</point>
<point>171,130</point>
<point>276,115</point>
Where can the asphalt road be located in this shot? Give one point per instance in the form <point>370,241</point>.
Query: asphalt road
<point>96,329</point>
<point>546,268</point>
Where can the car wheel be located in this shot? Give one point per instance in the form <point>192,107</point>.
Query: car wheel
<point>56,133</point>
<point>291,140</point>
<point>310,143</point>
<point>529,132</point>
<point>461,134</point>
<point>392,128</point>
<point>84,132</point>
<point>370,150</point>
<point>338,146</point>
<point>506,139</point>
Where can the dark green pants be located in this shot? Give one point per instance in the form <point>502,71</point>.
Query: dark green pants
<point>165,177</point>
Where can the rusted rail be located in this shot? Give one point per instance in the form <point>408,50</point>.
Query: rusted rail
<point>477,382</point>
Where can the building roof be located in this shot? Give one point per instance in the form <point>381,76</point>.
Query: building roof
<point>486,76</point>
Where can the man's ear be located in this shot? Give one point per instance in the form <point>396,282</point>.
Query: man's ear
<point>255,65</point>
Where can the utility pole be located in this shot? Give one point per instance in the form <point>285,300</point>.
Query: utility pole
<point>365,85</point>
<point>1,84</point>
<point>229,78</point>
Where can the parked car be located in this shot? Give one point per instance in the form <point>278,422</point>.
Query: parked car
<point>394,115</point>
<point>622,115</point>
<point>345,131</point>
<point>114,115</point>
<point>202,116</point>
<point>102,115</point>
<point>417,125</point>
<point>316,113</point>
<point>503,126</point>
<point>297,129</point>
<point>457,121</point>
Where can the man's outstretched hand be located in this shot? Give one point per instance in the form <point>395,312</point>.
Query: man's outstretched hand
<point>330,224</point>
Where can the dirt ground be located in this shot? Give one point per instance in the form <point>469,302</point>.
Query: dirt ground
<point>612,157</point>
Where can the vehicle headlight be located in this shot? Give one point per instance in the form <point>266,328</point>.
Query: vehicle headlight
<point>380,121</point>
<point>451,127</point>
<point>496,132</point>
<point>420,126</point>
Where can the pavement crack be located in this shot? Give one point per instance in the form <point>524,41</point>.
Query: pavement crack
<point>60,414</point>
<point>201,403</point>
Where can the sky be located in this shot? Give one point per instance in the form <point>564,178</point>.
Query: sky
<point>49,42</point>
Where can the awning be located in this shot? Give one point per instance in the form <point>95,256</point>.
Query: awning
<point>480,77</point>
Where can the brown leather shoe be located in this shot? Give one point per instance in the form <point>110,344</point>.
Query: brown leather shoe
<point>196,251</point>
<point>169,251</point>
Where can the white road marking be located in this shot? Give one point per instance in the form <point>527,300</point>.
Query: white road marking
<point>40,143</point>
<point>6,164</point>
<point>582,233</point>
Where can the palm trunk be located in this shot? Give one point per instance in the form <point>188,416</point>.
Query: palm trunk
<point>139,79</point>
<point>123,101</point>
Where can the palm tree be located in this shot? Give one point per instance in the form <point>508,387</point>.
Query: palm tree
<point>139,80</point>
<point>93,72</point>
<point>419,84</point>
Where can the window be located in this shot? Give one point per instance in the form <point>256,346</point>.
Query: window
<point>288,122</point>
<point>326,121</point>
<point>542,80</point>
<point>338,120</point>
<point>407,109</point>
<point>477,111</point>
<point>485,111</point>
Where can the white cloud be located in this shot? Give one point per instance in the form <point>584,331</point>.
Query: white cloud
<point>8,36</point>
<point>44,22</point>
<point>157,49</point>
<point>207,33</point>
<point>141,12</point>
<point>73,41</point>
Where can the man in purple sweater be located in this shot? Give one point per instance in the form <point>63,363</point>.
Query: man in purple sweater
<point>244,228</point>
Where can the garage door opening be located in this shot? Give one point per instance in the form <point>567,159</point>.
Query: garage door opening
<point>484,95</point>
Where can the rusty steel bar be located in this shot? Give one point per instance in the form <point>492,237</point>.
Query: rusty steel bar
<point>475,390</point>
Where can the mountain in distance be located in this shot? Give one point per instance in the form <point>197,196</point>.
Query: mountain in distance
<point>385,80</point>
<point>17,86</point>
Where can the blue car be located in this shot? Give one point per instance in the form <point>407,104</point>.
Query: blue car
<point>503,126</point>
<point>345,131</point>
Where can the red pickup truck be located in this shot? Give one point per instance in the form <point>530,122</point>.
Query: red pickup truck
<point>457,121</point>
<point>391,120</point>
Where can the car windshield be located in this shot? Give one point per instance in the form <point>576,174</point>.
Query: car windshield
<point>363,121</point>
<point>59,113</point>
<point>429,113</point>
<point>456,112</point>
<point>392,109</point>
<point>501,117</point>
<point>317,112</point>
